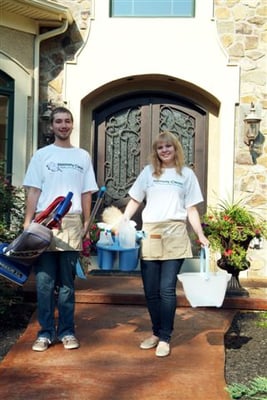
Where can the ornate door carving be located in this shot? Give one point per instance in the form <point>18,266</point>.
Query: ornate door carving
<point>124,134</point>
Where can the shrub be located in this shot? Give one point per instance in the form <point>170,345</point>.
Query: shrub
<point>12,205</point>
<point>11,208</point>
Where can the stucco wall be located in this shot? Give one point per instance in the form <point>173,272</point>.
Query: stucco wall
<point>16,60</point>
<point>223,53</point>
<point>185,49</point>
<point>18,45</point>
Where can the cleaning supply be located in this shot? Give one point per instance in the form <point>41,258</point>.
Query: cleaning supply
<point>127,234</point>
<point>105,238</point>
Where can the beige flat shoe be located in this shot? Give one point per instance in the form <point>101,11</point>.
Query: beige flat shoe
<point>163,349</point>
<point>149,343</point>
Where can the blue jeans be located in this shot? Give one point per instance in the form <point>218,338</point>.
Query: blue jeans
<point>56,270</point>
<point>159,280</point>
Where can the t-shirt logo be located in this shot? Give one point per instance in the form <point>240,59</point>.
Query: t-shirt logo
<point>53,167</point>
<point>167,182</point>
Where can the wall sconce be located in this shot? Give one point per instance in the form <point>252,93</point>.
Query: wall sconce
<point>47,134</point>
<point>253,137</point>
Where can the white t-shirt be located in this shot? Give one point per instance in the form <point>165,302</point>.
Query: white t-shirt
<point>56,171</point>
<point>168,196</point>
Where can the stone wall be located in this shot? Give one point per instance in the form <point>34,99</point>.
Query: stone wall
<point>63,48</point>
<point>242,31</point>
<point>55,52</point>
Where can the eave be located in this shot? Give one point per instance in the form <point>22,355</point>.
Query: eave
<point>30,15</point>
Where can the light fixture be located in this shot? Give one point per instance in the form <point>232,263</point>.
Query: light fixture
<point>252,126</point>
<point>253,138</point>
<point>47,109</point>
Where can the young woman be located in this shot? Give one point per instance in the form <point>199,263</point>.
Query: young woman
<point>171,191</point>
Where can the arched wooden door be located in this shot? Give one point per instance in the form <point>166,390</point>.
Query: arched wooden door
<point>125,130</point>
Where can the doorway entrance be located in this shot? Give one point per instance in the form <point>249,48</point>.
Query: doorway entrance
<point>125,129</point>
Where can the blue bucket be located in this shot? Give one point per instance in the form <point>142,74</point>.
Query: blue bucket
<point>105,258</point>
<point>128,259</point>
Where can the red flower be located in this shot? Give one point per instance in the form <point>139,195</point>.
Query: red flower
<point>86,247</point>
<point>228,252</point>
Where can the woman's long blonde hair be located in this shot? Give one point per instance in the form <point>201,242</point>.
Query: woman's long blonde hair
<point>170,138</point>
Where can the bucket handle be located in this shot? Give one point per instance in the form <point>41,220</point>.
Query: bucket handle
<point>205,261</point>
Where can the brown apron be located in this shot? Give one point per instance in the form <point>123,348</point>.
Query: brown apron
<point>165,241</point>
<point>69,235</point>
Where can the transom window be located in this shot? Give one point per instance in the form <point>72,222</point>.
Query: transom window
<point>152,8</point>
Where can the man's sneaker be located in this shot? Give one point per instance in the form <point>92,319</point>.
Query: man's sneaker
<point>41,344</point>
<point>70,342</point>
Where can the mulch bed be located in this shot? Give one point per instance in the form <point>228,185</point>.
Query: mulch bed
<point>246,347</point>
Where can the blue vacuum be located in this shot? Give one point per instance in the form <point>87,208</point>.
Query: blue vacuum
<point>18,257</point>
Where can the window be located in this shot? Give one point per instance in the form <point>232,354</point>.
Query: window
<point>6,120</point>
<point>152,8</point>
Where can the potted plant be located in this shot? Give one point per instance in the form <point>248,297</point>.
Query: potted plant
<point>230,228</point>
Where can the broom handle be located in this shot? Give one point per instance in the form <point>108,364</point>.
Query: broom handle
<point>100,197</point>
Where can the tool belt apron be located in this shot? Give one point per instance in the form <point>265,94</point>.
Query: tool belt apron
<point>165,241</point>
<point>69,235</point>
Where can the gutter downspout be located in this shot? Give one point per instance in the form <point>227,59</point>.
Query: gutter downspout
<point>38,40</point>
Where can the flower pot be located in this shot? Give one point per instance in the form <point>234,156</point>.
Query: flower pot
<point>234,288</point>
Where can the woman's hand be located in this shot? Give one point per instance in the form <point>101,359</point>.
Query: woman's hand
<point>203,240</point>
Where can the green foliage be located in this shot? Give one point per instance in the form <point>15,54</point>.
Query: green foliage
<point>12,202</point>
<point>230,228</point>
<point>262,323</point>
<point>94,232</point>
<point>11,208</point>
<point>9,294</point>
<point>255,390</point>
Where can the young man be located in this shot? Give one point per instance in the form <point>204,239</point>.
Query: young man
<point>55,170</point>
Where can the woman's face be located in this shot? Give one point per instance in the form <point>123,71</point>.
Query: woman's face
<point>166,154</point>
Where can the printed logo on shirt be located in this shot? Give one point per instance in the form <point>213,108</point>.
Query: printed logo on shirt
<point>55,167</point>
<point>167,182</point>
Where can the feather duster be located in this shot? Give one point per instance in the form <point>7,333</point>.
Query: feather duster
<point>112,216</point>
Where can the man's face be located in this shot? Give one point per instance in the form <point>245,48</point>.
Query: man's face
<point>62,126</point>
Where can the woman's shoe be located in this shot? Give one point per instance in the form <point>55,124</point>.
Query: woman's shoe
<point>149,343</point>
<point>163,349</point>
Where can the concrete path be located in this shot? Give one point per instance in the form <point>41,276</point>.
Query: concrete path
<point>111,321</point>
